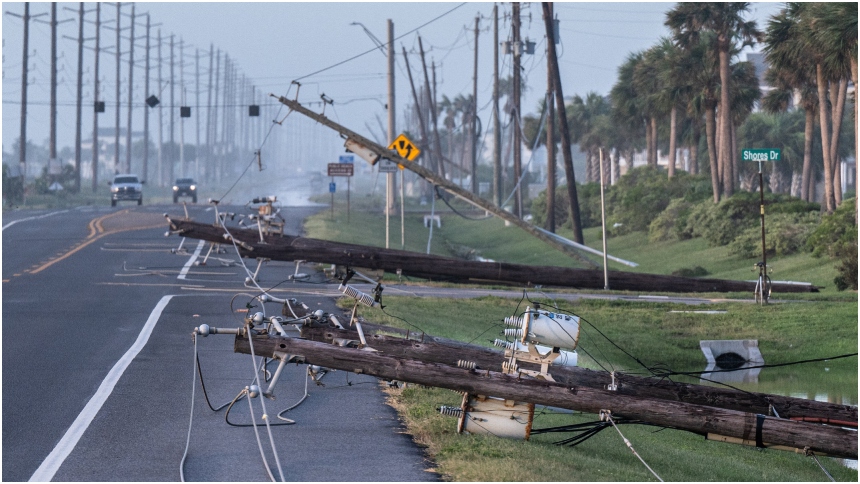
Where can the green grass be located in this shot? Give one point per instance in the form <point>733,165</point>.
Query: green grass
<point>821,325</point>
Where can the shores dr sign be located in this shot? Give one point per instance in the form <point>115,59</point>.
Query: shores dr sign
<point>769,154</point>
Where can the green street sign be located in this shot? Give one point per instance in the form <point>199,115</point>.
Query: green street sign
<point>764,154</point>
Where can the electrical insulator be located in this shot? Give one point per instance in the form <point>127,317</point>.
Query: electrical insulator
<point>514,333</point>
<point>500,343</point>
<point>450,411</point>
<point>513,321</point>
<point>468,365</point>
<point>361,297</point>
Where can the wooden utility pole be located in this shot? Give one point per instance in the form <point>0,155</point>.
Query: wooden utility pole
<point>95,166</point>
<point>435,349</point>
<point>160,161</point>
<point>116,163</point>
<point>171,161</point>
<point>575,219</point>
<point>183,170</point>
<point>710,421</point>
<point>437,145</point>
<point>197,113</point>
<point>516,46</point>
<point>25,60</point>
<point>209,167</point>
<point>80,97</point>
<point>127,167</point>
<point>425,140</point>
<point>390,187</point>
<point>146,108</point>
<point>214,163</point>
<point>437,180</point>
<point>289,248</point>
<point>550,136</point>
<point>497,123</point>
<point>52,143</point>
<point>473,127</point>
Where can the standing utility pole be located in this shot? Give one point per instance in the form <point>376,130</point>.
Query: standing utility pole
<point>170,159</point>
<point>146,109</point>
<point>130,93</point>
<point>389,177</point>
<point>517,141</point>
<point>183,170</point>
<point>209,118</point>
<point>159,169</point>
<point>80,93</point>
<point>118,105</point>
<point>473,132</point>
<point>497,124</point>
<point>22,140</point>
<point>95,166</point>
<point>197,113</point>
<point>563,128</point>
<point>214,161</point>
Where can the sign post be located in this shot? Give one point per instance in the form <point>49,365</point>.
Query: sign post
<point>761,155</point>
<point>343,168</point>
<point>404,147</point>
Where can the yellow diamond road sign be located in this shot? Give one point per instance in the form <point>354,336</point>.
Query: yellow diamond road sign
<point>405,147</point>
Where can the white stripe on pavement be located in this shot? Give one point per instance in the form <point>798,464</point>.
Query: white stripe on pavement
<point>32,218</point>
<point>67,444</point>
<point>191,260</point>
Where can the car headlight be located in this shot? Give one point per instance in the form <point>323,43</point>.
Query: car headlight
<point>194,187</point>
<point>114,189</point>
<point>175,188</point>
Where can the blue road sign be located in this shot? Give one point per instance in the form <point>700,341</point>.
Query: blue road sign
<point>346,159</point>
<point>332,187</point>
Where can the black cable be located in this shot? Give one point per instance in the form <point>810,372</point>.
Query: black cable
<point>377,48</point>
<point>484,332</point>
<point>405,321</point>
<point>439,195</point>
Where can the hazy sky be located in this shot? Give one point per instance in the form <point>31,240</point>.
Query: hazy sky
<point>275,43</point>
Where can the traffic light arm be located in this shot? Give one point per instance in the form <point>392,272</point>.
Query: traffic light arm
<point>354,139</point>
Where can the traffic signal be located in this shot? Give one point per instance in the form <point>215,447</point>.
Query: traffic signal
<point>253,110</point>
<point>185,111</point>
<point>100,106</point>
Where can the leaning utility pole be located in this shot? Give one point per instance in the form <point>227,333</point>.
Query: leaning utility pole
<point>563,128</point>
<point>550,139</point>
<point>497,124</point>
<point>437,145</point>
<point>473,134</point>
<point>516,46</point>
<point>130,92</point>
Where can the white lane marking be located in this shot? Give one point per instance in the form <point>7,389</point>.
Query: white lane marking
<point>191,260</point>
<point>70,439</point>
<point>32,218</point>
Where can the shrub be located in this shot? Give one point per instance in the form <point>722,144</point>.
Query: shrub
<point>836,236</point>
<point>671,223</point>
<point>697,271</point>
<point>643,193</point>
<point>786,234</point>
<point>561,207</point>
<point>722,223</point>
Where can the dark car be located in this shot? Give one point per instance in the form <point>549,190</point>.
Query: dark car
<point>126,187</point>
<point>185,187</point>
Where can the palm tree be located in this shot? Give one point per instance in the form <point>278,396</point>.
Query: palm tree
<point>745,93</point>
<point>627,108</point>
<point>790,72</point>
<point>688,21</point>
<point>590,126</point>
<point>675,90</point>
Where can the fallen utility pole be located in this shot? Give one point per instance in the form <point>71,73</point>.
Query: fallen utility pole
<point>381,152</point>
<point>715,423</point>
<point>289,248</point>
<point>435,349</point>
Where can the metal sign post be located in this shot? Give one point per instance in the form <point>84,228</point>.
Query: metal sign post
<point>340,169</point>
<point>761,155</point>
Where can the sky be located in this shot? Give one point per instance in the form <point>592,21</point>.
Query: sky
<point>274,43</point>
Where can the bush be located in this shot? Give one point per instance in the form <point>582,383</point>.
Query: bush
<point>642,194</point>
<point>672,222</point>
<point>13,189</point>
<point>561,207</point>
<point>836,237</point>
<point>786,234</point>
<point>697,271</point>
<point>722,223</point>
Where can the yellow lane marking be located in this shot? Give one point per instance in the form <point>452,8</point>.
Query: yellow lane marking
<point>16,275</point>
<point>90,241</point>
<point>5,280</point>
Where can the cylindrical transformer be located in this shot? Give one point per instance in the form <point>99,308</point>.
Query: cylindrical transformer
<point>565,358</point>
<point>552,329</point>
<point>496,416</point>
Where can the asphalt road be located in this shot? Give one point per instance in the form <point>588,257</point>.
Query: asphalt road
<point>98,364</point>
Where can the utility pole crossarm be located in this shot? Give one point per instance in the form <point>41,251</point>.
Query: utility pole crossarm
<point>384,153</point>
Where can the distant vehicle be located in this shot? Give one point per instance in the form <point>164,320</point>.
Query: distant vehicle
<point>185,187</point>
<point>126,187</point>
